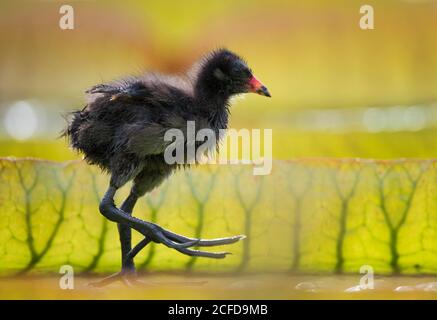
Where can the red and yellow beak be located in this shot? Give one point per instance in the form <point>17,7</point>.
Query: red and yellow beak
<point>257,87</point>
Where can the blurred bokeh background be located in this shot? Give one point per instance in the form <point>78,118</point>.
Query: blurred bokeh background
<point>338,91</point>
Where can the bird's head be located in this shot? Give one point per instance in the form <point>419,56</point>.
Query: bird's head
<point>225,72</point>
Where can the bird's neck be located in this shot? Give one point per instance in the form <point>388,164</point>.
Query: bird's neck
<point>214,106</point>
<point>211,96</point>
<point>212,100</point>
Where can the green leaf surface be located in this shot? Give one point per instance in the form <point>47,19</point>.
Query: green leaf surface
<point>311,215</point>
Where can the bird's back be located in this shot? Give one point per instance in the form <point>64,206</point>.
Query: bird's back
<point>129,116</point>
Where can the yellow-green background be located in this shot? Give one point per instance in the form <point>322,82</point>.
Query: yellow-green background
<point>312,55</point>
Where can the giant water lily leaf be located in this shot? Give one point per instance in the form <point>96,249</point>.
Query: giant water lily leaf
<point>306,216</point>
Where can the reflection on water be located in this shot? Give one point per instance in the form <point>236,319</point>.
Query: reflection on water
<point>429,287</point>
<point>369,119</point>
<point>203,286</point>
<point>28,119</point>
<point>387,284</point>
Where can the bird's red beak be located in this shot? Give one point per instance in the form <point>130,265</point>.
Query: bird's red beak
<point>257,87</point>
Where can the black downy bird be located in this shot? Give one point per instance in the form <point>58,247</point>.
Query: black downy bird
<point>122,127</point>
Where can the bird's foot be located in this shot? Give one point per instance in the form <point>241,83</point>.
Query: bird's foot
<point>127,277</point>
<point>182,244</point>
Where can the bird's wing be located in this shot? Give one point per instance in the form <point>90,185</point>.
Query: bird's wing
<point>153,87</point>
<point>103,88</point>
<point>127,89</point>
<point>145,110</point>
<point>145,139</point>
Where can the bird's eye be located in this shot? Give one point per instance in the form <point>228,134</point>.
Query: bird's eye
<point>236,69</point>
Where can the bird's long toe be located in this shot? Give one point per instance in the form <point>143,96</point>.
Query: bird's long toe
<point>182,244</point>
<point>161,238</point>
<point>203,242</point>
<point>206,254</point>
<point>220,241</point>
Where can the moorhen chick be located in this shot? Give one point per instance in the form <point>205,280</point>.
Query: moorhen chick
<point>122,128</point>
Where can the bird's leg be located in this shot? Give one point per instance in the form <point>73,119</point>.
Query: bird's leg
<point>128,272</point>
<point>158,234</point>
<point>125,233</point>
<point>151,232</point>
